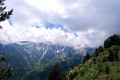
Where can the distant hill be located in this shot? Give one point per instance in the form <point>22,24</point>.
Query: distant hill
<point>104,64</point>
<point>31,61</point>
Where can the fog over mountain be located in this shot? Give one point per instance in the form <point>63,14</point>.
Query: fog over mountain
<point>66,22</point>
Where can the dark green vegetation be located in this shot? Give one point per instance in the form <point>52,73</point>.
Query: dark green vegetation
<point>104,64</point>
<point>5,72</point>
<point>55,73</point>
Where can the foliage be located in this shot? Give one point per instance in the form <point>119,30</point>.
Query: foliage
<point>6,71</point>
<point>56,74</point>
<point>98,50</point>
<point>113,53</point>
<point>4,14</point>
<point>103,65</point>
<point>113,40</point>
<point>86,57</point>
<point>107,68</point>
<point>72,73</point>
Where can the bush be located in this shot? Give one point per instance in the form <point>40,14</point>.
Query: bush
<point>72,73</point>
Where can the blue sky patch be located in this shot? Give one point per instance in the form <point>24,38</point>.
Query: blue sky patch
<point>75,35</point>
<point>10,22</point>
<point>37,26</point>
<point>56,26</point>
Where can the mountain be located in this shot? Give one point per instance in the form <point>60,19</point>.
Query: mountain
<point>31,61</point>
<point>104,64</point>
<point>90,50</point>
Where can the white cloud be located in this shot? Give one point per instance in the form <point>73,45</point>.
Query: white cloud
<point>11,34</point>
<point>56,36</point>
<point>92,21</point>
<point>47,6</point>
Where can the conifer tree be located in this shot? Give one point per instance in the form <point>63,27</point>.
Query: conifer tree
<point>96,52</point>
<point>4,14</point>
<point>113,40</point>
<point>100,49</point>
<point>111,55</point>
<point>55,73</point>
<point>86,57</point>
<point>5,72</point>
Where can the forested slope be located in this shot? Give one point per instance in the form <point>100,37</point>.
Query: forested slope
<point>104,64</point>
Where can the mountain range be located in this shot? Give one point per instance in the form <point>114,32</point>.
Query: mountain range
<point>32,61</point>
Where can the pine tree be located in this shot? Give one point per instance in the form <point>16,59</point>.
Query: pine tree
<point>100,49</point>
<point>55,73</point>
<point>4,14</point>
<point>113,40</point>
<point>5,72</point>
<point>96,52</point>
<point>111,55</point>
<point>86,57</point>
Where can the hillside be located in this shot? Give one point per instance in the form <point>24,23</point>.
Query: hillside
<point>31,61</point>
<point>104,64</point>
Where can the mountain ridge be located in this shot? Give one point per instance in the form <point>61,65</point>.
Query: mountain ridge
<point>37,57</point>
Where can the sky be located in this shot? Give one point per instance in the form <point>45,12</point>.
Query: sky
<point>65,22</point>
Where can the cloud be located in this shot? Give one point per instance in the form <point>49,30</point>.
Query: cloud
<point>100,15</point>
<point>83,22</point>
<point>11,34</point>
<point>56,36</point>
